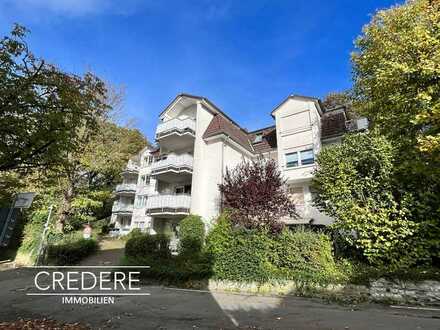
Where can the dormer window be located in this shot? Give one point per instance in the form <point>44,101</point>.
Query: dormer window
<point>258,138</point>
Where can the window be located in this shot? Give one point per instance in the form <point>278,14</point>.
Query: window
<point>180,190</point>
<point>148,160</point>
<point>298,158</point>
<point>145,180</point>
<point>307,157</point>
<point>258,138</point>
<point>292,159</point>
<point>141,201</point>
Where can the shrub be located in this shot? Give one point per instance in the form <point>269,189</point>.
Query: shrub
<point>148,246</point>
<point>192,235</point>
<point>355,183</point>
<point>238,255</point>
<point>259,256</point>
<point>133,233</point>
<point>69,253</point>
<point>32,236</point>
<point>256,196</point>
<point>153,250</point>
<point>303,254</point>
<point>173,270</point>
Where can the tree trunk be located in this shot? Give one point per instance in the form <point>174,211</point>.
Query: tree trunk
<point>65,210</point>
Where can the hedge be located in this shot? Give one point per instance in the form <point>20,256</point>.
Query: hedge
<point>258,256</point>
<point>70,253</point>
<point>148,246</point>
<point>192,234</point>
<point>153,251</point>
<point>237,254</point>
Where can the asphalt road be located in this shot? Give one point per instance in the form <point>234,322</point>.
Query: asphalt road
<point>168,308</point>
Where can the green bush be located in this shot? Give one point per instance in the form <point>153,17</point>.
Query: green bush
<point>153,251</point>
<point>258,256</point>
<point>173,270</point>
<point>71,252</point>
<point>192,235</point>
<point>303,255</point>
<point>31,236</point>
<point>133,233</point>
<point>148,246</point>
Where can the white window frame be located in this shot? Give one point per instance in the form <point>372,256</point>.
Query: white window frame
<point>145,179</point>
<point>299,159</point>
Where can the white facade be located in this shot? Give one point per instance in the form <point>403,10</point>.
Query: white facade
<point>196,143</point>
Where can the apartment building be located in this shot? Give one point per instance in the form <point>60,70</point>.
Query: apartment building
<point>196,142</point>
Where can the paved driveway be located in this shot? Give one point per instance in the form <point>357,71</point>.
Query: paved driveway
<point>180,309</point>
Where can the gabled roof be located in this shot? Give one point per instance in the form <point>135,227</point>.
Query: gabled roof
<point>214,109</point>
<point>317,102</point>
<point>268,141</point>
<point>222,125</point>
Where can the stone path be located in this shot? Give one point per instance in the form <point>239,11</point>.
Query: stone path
<point>110,252</point>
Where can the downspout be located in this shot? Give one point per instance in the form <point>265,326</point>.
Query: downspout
<point>223,170</point>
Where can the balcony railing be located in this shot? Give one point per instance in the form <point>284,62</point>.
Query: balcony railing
<point>174,163</point>
<point>131,169</point>
<point>169,204</point>
<point>179,126</point>
<point>122,208</point>
<point>126,188</point>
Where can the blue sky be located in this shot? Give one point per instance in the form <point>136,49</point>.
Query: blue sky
<point>245,56</point>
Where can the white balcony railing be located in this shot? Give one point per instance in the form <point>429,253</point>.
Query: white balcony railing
<point>309,214</point>
<point>131,167</point>
<point>173,162</point>
<point>122,208</point>
<point>126,187</point>
<point>176,124</point>
<point>169,204</point>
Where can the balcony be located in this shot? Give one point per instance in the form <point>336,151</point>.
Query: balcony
<point>173,168</point>
<point>309,214</point>
<point>126,189</point>
<point>169,204</point>
<point>131,169</point>
<point>122,208</point>
<point>176,133</point>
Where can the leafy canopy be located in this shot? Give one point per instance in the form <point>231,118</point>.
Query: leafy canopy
<point>397,74</point>
<point>42,109</point>
<point>355,184</point>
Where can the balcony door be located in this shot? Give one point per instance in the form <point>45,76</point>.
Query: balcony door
<point>184,189</point>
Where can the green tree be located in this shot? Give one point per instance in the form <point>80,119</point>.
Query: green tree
<point>355,184</point>
<point>86,180</point>
<point>396,75</point>
<point>396,85</point>
<point>42,108</point>
<point>336,99</point>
